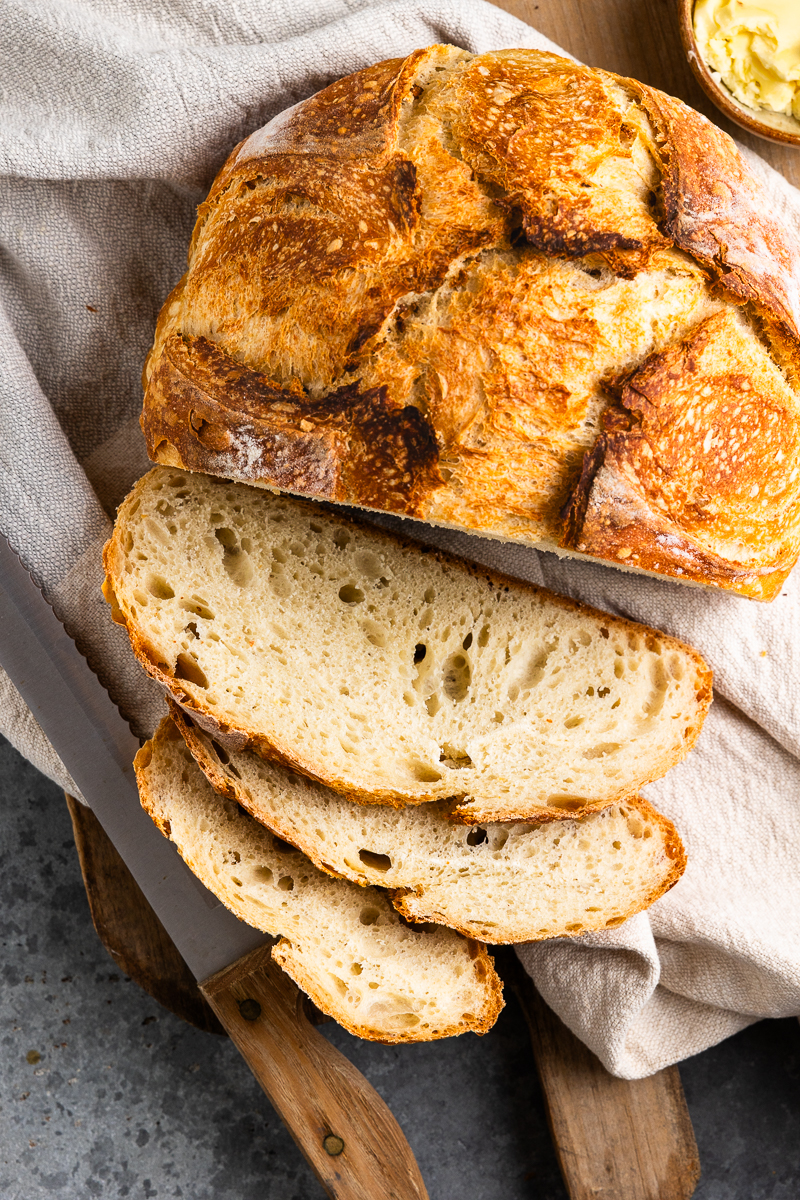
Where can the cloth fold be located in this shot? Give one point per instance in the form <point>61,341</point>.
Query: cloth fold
<point>116,115</point>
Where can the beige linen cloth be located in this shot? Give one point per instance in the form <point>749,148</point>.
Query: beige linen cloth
<point>114,117</point>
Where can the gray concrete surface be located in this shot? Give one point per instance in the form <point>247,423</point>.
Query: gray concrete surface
<point>105,1094</point>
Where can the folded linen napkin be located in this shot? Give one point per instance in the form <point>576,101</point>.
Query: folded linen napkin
<point>116,115</point>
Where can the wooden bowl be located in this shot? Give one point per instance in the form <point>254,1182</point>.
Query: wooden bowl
<point>775,127</point>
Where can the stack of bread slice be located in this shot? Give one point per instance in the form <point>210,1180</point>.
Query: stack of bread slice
<point>423,755</point>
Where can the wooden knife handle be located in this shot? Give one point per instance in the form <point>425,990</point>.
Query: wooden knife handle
<point>345,1130</point>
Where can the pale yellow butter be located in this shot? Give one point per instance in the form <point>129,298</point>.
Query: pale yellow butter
<point>755,49</point>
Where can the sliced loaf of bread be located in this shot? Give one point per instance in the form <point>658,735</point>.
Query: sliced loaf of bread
<point>498,882</point>
<point>345,946</point>
<point>388,671</point>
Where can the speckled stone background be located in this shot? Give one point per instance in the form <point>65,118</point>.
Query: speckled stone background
<point>105,1094</point>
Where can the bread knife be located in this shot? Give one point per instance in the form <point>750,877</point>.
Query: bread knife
<point>343,1127</point>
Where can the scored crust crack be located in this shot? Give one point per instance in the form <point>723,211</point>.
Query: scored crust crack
<point>504,293</point>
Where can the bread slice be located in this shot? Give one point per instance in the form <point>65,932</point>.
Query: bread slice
<point>498,883</point>
<point>387,671</point>
<point>345,946</point>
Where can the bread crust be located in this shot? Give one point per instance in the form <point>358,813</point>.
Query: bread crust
<point>733,473</point>
<point>463,809</point>
<point>358,392</point>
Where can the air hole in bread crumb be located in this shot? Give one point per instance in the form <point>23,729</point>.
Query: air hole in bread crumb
<point>424,773</point>
<point>157,586</point>
<point>467,642</point>
<point>420,650</point>
<point>350,594</point>
<point>573,722</point>
<point>456,677</point>
<point>476,836</point>
<point>356,968</point>
<point>286,883</point>
<point>198,608</point>
<point>376,634</point>
<point>368,563</point>
<point>676,667</point>
<point>378,862</point>
<point>454,758</point>
<point>602,750</point>
<point>568,803</point>
<point>342,538</point>
<point>405,1020</point>
<point>221,752</point>
<point>239,567</point>
<point>433,705</point>
<point>188,669</point>
<point>369,915</point>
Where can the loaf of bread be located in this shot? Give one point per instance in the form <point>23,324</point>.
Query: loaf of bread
<point>345,946</point>
<point>504,293</point>
<point>389,672</point>
<point>499,882</point>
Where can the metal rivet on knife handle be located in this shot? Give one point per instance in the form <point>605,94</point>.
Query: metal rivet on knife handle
<point>333,1145</point>
<point>250,1009</point>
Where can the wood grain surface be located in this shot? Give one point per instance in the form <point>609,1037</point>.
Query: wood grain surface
<point>639,38</point>
<point>129,929</point>
<point>340,1123</point>
<point>615,1139</point>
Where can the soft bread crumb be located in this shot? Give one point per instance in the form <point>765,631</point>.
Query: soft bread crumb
<point>498,882</point>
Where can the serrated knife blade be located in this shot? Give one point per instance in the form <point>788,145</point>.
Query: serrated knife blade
<point>97,747</point>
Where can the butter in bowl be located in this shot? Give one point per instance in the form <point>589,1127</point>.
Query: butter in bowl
<point>746,57</point>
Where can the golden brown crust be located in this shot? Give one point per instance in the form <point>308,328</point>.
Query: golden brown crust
<point>713,208</point>
<point>350,446</point>
<point>235,737</point>
<point>689,476</point>
<point>385,266</point>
